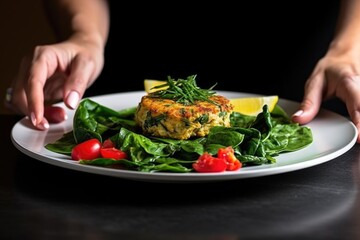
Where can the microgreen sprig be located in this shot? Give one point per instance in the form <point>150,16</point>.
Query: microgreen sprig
<point>184,91</point>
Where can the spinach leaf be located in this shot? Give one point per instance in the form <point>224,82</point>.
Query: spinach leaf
<point>63,145</point>
<point>92,120</point>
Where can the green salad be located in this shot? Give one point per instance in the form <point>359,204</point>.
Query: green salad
<point>255,140</point>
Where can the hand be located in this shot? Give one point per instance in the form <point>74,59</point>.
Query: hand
<point>337,74</point>
<point>53,73</point>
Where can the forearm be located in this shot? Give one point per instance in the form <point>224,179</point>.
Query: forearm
<point>347,34</point>
<point>84,19</point>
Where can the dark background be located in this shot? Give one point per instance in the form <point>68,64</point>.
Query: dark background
<point>264,47</point>
<point>259,47</point>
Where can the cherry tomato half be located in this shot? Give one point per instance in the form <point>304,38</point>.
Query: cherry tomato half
<point>207,163</point>
<point>108,143</point>
<point>87,150</point>
<point>113,153</point>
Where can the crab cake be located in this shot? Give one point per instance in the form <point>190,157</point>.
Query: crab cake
<point>169,119</point>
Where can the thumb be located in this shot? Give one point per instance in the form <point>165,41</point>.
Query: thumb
<point>310,105</point>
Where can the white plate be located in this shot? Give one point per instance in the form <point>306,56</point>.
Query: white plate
<point>333,136</point>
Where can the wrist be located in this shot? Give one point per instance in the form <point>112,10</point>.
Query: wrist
<point>344,45</point>
<point>93,39</point>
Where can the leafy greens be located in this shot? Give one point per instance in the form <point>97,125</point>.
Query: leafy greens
<point>256,140</point>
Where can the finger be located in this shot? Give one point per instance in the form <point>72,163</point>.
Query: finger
<point>43,66</point>
<point>355,118</point>
<point>19,100</point>
<point>313,95</point>
<point>80,78</point>
<point>349,93</point>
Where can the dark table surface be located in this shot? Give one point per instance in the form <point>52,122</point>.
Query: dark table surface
<point>41,201</point>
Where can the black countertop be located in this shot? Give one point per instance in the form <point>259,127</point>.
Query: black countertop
<point>42,201</point>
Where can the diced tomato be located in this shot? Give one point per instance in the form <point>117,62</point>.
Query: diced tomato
<point>234,165</point>
<point>86,150</point>
<point>114,153</point>
<point>228,154</point>
<point>225,152</point>
<point>207,163</point>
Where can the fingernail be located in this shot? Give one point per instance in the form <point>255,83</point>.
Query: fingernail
<point>73,99</point>
<point>33,119</point>
<point>46,125</point>
<point>298,113</point>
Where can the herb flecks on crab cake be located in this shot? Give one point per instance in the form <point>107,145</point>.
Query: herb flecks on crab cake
<point>182,110</point>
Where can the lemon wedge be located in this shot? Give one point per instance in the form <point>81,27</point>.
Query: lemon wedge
<point>254,105</point>
<point>150,83</point>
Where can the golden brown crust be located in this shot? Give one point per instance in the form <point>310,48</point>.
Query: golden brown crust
<point>167,118</point>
